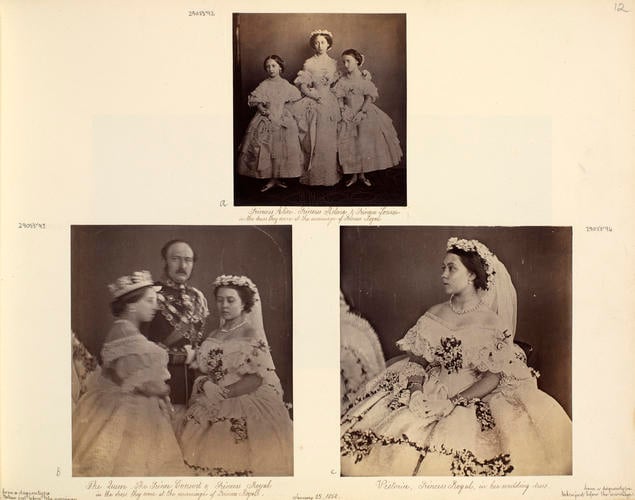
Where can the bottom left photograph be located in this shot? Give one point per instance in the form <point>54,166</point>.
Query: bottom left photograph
<point>181,351</point>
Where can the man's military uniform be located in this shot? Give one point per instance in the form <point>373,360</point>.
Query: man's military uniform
<point>180,321</point>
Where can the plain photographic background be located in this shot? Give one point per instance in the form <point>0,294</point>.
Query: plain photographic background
<point>392,275</point>
<point>100,254</point>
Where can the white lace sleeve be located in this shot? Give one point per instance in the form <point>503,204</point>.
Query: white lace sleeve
<point>498,354</point>
<point>415,342</point>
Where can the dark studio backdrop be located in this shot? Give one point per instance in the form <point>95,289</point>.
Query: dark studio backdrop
<point>100,254</point>
<point>392,275</point>
<point>380,37</point>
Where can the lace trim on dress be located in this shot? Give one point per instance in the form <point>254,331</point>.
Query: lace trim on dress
<point>304,77</point>
<point>495,354</point>
<point>361,86</point>
<point>415,342</point>
<point>499,356</point>
<point>252,362</point>
<point>136,344</point>
<point>217,358</point>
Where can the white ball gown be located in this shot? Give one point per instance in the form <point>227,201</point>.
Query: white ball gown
<point>248,435</point>
<point>514,430</point>
<point>119,429</point>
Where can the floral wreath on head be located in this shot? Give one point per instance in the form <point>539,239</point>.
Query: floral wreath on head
<point>321,32</point>
<point>483,252</point>
<point>230,279</point>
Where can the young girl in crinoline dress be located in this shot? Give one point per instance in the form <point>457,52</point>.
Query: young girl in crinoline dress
<point>122,424</point>
<point>237,423</point>
<point>463,402</point>
<point>317,113</point>
<point>367,140</point>
<point>271,146</point>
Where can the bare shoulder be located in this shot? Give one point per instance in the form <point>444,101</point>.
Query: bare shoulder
<point>438,309</point>
<point>488,318</point>
<point>247,332</point>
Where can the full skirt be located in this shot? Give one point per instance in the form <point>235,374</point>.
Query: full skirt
<point>369,145</point>
<point>250,436</point>
<point>317,123</point>
<point>118,433</point>
<point>512,431</point>
<point>271,150</point>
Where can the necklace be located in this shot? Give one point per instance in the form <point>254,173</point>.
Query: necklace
<point>464,311</point>
<point>227,330</point>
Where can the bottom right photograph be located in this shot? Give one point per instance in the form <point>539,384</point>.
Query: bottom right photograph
<point>455,351</point>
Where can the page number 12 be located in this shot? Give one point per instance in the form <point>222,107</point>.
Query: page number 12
<point>619,7</point>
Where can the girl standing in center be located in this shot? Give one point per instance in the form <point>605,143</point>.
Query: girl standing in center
<point>317,113</point>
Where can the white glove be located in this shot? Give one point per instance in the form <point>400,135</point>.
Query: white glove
<point>430,408</point>
<point>190,354</point>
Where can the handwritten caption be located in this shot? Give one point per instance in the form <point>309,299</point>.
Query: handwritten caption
<point>315,496</point>
<point>329,215</point>
<point>30,495</point>
<point>198,490</point>
<point>617,491</point>
<point>458,487</point>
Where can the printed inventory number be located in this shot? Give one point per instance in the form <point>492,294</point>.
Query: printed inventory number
<point>200,13</point>
<point>31,225</point>
<point>599,229</point>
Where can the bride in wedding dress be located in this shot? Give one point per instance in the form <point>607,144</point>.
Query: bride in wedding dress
<point>464,401</point>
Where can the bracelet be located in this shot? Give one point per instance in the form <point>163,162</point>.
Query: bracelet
<point>460,400</point>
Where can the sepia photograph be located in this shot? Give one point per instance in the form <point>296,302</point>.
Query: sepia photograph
<point>455,351</point>
<point>320,109</point>
<point>182,351</point>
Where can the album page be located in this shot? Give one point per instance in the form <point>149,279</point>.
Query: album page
<point>295,191</point>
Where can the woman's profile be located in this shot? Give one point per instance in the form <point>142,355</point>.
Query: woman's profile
<point>122,424</point>
<point>237,423</point>
<point>463,401</point>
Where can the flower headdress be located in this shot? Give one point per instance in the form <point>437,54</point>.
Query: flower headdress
<point>127,284</point>
<point>230,279</point>
<point>483,252</point>
<point>321,32</point>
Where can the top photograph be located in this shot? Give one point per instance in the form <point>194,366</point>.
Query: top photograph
<point>319,109</point>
